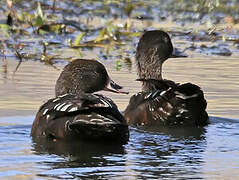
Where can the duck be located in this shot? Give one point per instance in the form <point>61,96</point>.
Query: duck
<point>77,112</point>
<point>163,102</point>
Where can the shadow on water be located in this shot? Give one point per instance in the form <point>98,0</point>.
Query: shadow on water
<point>78,150</point>
<point>168,152</point>
<point>209,35</point>
<point>150,153</point>
<point>79,158</point>
<point>155,152</point>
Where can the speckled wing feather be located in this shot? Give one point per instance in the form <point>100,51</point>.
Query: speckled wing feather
<point>69,103</point>
<point>145,107</point>
<point>177,105</point>
<point>87,116</point>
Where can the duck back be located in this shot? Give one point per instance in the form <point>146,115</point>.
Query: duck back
<point>167,103</point>
<point>83,116</point>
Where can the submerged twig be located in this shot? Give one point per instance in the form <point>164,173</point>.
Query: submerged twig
<point>44,44</point>
<point>19,56</point>
<point>2,48</point>
<point>54,6</point>
<point>5,64</point>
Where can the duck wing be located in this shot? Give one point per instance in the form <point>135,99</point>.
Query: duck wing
<point>149,108</point>
<point>84,116</point>
<point>177,105</point>
<point>191,105</point>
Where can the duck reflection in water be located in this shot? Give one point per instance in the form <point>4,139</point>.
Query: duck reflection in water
<point>167,152</point>
<point>174,152</point>
<point>83,151</point>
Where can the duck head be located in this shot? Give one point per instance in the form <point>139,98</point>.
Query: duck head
<point>85,76</point>
<point>153,49</point>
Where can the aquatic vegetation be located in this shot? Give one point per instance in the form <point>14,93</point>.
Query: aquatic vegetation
<point>44,29</point>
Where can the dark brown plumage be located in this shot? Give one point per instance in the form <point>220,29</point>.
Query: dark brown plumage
<point>75,113</point>
<point>163,102</point>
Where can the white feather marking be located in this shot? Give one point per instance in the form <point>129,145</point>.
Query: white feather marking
<point>157,99</point>
<point>67,126</point>
<point>44,112</point>
<point>151,109</point>
<point>165,112</point>
<point>139,93</point>
<point>59,107</point>
<point>162,93</point>
<point>56,99</point>
<point>75,108</point>
<point>162,119</point>
<point>183,96</point>
<point>63,95</point>
<point>147,96</point>
<point>81,120</point>
<point>169,105</point>
<point>192,96</point>
<point>105,121</point>
<point>105,103</point>
<point>181,111</point>
<point>97,120</point>
<point>154,94</point>
<point>64,108</point>
<point>47,116</point>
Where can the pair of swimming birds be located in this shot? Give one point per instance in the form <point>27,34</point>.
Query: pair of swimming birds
<point>77,113</point>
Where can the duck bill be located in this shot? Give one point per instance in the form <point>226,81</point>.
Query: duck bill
<point>113,87</point>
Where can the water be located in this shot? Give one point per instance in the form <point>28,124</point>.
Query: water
<point>211,152</point>
<point>161,153</point>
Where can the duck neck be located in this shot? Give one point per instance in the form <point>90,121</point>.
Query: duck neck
<point>153,72</point>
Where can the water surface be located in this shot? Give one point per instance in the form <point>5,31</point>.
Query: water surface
<point>206,30</point>
<point>182,153</point>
